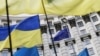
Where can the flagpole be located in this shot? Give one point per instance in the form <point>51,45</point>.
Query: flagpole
<point>8,22</point>
<point>64,20</point>
<point>49,28</point>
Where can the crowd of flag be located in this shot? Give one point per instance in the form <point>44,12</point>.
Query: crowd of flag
<point>27,35</point>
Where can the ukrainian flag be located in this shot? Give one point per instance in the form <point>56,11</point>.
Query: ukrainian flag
<point>4,34</point>
<point>57,7</point>
<point>84,52</point>
<point>25,34</point>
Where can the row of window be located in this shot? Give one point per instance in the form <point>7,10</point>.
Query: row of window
<point>5,22</point>
<point>95,21</point>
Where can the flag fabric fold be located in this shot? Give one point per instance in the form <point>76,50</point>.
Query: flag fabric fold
<point>25,34</point>
<point>62,34</point>
<point>58,7</point>
<point>4,34</point>
<point>84,52</point>
<point>33,51</point>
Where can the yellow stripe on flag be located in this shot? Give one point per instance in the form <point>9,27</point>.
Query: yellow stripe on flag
<point>59,7</point>
<point>25,38</point>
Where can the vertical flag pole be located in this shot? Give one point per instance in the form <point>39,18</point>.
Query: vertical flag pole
<point>49,28</point>
<point>8,21</point>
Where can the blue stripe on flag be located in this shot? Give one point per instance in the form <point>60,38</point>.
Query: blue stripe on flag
<point>30,23</point>
<point>27,52</point>
<point>84,53</point>
<point>62,35</point>
<point>4,32</point>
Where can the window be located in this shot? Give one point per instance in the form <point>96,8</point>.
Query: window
<point>52,31</point>
<point>86,41</point>
<point>80,24</point>
<point>5,24</point>
<point>98,26</point>
<point>44,29</point>
<point>70,46</point>
<point>50,23</point>
<point>94,18</point>
<point>73,54</point>
<point>58,26</point>
<point>83,31</point>
<point>64,27</point>
<point>1,25</point>
<point>91,51</point>
<point>5,53</point>
<point>18,21</point>
<point>4,20</point>
<point>40,51</point>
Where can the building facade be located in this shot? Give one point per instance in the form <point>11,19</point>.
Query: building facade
<point>84,31</point>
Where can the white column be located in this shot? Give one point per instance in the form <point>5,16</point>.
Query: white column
<point>77,39</point>
<point>64,48</point>
<point>96,41</point>
<point>46,45</point>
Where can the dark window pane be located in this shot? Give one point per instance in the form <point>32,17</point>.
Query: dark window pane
<point>44,29</point>
<point>94,18</point>
<point>52,31</point>
<point>58,26</point>
<point>50,23</point>
<point>80,24</point>
<point>98,26</point>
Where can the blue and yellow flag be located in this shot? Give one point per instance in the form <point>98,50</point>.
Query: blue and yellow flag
<point>33,51</point>
<point>25,34</point>
<point>4,34</point>
<point>62,34</point>
<point>58,7</point>
<point>84,52</point>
